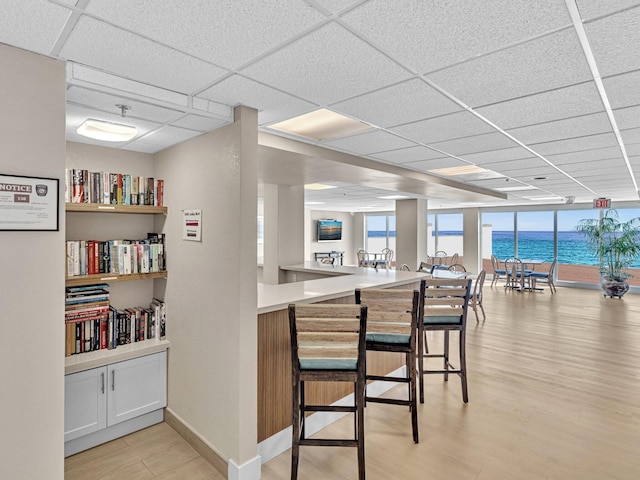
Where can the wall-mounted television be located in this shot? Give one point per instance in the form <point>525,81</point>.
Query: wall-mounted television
<point>329,230</point>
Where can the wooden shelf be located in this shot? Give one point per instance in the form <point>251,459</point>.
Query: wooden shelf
<point>104,208</point>
<point>111,277</point>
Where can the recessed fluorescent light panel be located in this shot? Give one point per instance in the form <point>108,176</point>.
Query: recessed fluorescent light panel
<point>106,131</point>
<point>515,189</point>
<point>460,170</point>
<point>314,203</point>
<point>317,186</point>
<point>321,124</point>
<point>393,197</point>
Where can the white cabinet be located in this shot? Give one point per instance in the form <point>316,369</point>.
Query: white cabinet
<point>100,402</point>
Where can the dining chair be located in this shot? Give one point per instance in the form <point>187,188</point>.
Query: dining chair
<point>475,300</point>
<point>444,308</point>
<point>387,257</point>
<point>363,257</point>
<point>392,323</point>
<point>425,267</point>
<point>439,256</point>
<point>327,260</point>
<point>327,345</point>
<point>497,271</point>
<point>546,277</point>
<point>517,276</point>
<point>456,267</point>
<point>405,268</point>
<point>454,259</point>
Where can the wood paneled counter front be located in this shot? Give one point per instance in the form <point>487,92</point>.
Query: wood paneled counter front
<point>332,284</point>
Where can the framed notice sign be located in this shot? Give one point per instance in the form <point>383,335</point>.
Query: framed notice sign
<point>28,203</point>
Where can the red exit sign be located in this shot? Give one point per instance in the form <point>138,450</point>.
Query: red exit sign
<point>602,203</point>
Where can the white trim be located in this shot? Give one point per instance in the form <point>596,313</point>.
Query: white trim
<point>280,442</point>
<point>247,471</point>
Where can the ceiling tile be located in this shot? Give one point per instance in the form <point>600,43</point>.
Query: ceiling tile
<point>544,107</point>
<point>111,49</point>
<point>368,143</point>
<point>572,127</point>
<point>453,30</point>
<point>107,103</point>
<point>542,64</point>
<point>622,90</point>
<point>595,8</point>
<point>32,24</point>
<point>598,154</point>
<point>627,118</point>
<point>479,143</point>
<point>630,136</point>
<point>228,33</point>
<point>166,136</point>
<point>335,6</point>
<point>495,156</point>
<point>633,149</point>
<point>614,41</point>
<point>402,103</point>
<point>411,154</point>
<point>575,144</point>
<point>509,166</point>
<point>273,105</point>
<point>455,125</point>
<point>326,66</point>
<point>199,123</point>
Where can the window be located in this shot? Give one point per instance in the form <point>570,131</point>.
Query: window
<point>381,232</point>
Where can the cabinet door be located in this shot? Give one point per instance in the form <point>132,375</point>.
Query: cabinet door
<point>85,403</point>
<point>136,387</point>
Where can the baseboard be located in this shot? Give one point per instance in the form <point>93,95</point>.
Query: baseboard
<point>280,442</point>
<point>111,433</point>
<point>206,450</point>
<point>250,470</point>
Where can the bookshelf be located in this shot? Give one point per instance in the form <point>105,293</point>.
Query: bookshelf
<point>134,373</point>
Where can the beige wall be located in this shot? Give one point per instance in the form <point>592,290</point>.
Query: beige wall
<point>32,122</point>
<point>346,245</point>
<point>211,288</point>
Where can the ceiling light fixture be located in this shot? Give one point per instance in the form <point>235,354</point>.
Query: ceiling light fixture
<point>393,197</point>
<point>108,131</point>
<point>317,186</point>
<point>460,170</point>
<point>322,124</point>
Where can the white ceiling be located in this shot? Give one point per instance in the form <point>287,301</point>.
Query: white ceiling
<point>514,86</point>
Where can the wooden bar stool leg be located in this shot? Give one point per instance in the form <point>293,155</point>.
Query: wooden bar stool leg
<point>446,355</point>
<point>360,388</point>
<point>463,367</point>
<point>295,440</point>
<point>421,346</point>
<point>411,367</point>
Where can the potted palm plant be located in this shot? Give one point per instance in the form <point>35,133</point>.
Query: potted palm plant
<point>617,245</point>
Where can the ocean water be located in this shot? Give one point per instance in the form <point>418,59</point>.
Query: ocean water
<point>572,246</point>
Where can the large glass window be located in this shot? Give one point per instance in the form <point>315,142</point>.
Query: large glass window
<point>536,236</point>
<point>498,237</point>
<point>575,262</point>
<point>381,232</point>
<point>448,230</point>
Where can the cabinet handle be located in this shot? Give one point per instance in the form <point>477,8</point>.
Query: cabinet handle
<point>102,381</point>
<point>113,380</point>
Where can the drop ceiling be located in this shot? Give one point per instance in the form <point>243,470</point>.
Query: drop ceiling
<point>522,89</point>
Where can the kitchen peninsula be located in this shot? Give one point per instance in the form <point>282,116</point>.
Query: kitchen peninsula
<point>319,283</point>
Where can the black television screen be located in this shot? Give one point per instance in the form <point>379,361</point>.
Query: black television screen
<point>329,230</point>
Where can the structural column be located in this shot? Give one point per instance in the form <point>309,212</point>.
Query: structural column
<point>411,232</point>
<point>283,229</point>
<point>471,239</point>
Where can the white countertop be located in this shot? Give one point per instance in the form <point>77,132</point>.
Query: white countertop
<point>342,280</point>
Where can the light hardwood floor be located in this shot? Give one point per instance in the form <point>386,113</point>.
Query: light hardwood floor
<point>554,393</point>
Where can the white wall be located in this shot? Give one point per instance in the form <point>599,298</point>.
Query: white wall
<point>32,124</point>
<point>346,245</point>
<point>211,289</point>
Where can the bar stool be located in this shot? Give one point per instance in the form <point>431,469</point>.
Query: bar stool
<point>445,302</point>
<point>392,319</point>
<point>327,345</point>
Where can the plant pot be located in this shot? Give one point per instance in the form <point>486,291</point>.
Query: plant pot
<point>613,287</point>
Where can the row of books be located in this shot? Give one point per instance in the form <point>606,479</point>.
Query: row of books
<point>89,257</point>
<point>83,186</point>
<point>98,325</point>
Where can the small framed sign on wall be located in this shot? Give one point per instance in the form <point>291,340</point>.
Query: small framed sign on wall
<point>29,203</point>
